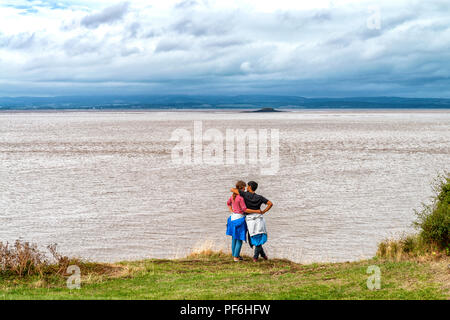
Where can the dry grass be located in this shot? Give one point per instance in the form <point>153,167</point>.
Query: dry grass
<point>409,247</point>
<point>97,273</point>
<point>24,259</point>
<point>204,249</point>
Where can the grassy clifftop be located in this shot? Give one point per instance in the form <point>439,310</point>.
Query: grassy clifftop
<point>216,276</point>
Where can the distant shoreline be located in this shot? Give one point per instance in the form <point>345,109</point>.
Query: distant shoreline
<point>217,102</point>
<point>228,110</point>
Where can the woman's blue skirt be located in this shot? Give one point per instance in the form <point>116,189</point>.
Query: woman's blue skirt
<point>237,228</point>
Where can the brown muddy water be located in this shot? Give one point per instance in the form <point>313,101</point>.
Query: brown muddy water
<point>104,187</point>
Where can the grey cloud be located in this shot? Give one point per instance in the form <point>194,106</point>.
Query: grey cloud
<point>367,33</point>
<point>202,26</point>
<point>82,45</point>
<point>107,15</point>
<point>18,41</point>
<point>388,23</point>
<point>171,45</point>
<point>300,19</point>
<point>323,15</point>
<point>185,4</point>
<point>188,26</point>
<point>125,52</point>
<point>398,20</point>
<point>132,30</point>
<point>150,34</point>
<point>224,43</point>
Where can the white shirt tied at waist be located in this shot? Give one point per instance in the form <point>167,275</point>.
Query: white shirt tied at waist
<point>235,216</point>
<point>255,224</point>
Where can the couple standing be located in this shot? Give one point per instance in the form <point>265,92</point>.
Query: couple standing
<point>247,216</point>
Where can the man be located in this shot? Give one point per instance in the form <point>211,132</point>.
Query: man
<point>255,221</point>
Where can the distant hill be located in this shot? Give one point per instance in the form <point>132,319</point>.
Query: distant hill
<point>217,102</point>
<point>267,110</point>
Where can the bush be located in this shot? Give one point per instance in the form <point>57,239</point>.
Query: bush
<point>21,259</point>
<point>434,219</point>
<point>433,223</point>
<point>25,259</point>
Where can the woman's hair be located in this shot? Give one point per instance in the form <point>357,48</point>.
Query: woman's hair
<point>239,185</point>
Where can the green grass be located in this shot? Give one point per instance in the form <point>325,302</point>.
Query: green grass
<point>216,276</point>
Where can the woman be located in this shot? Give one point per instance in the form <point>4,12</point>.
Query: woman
<point>236,225</point>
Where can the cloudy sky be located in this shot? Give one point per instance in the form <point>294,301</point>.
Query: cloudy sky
<point>306,48</point>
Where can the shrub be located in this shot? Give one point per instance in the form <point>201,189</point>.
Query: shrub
<point>433,224</point>
<point>434,219</point>
<point>21,259</point>
<point>25,259</point>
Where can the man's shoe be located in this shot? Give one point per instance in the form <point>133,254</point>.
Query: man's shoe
<point>265,257</point>
<point>255,259</point>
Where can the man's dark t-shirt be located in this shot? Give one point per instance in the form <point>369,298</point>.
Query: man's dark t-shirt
<point>252,200</point>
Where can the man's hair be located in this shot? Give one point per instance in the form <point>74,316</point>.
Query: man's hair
<point>253,185</point>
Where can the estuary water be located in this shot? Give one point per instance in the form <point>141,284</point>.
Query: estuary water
<point>103,186</point>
